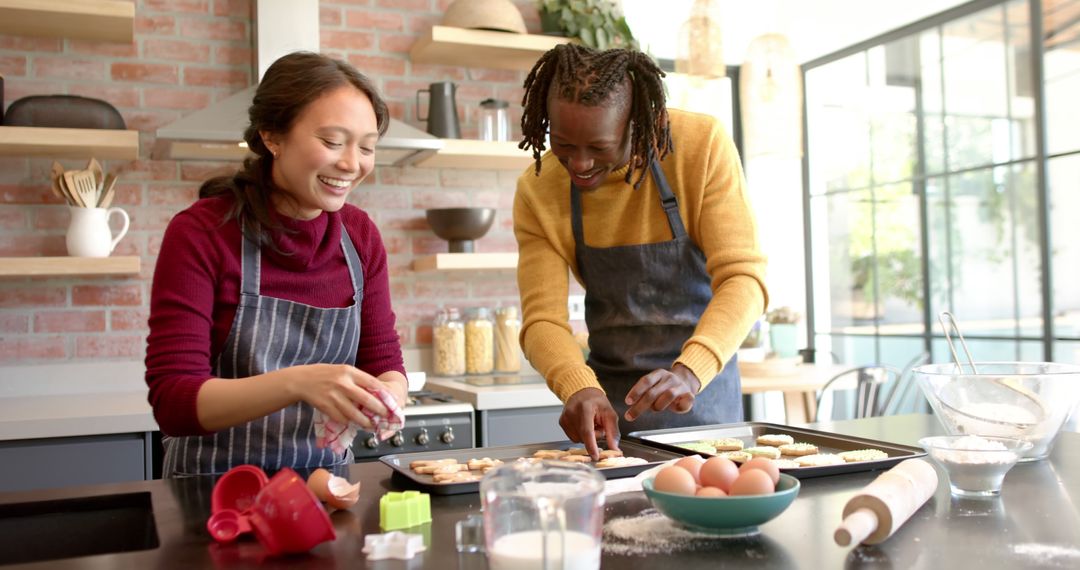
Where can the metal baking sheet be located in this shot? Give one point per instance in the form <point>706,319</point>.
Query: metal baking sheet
<point>748,432</point>
<point>400,462</point>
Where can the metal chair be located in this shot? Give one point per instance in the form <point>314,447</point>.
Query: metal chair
<point>868,382</point>
<point>902,387</point>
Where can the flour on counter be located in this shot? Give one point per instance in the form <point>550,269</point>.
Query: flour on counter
<point>1043,554</point>
<point>652,533</point>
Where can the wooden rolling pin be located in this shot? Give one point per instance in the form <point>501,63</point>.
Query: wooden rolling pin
<point>878,510</point>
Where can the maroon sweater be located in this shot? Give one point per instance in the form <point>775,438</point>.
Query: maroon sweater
<point>197,288</point>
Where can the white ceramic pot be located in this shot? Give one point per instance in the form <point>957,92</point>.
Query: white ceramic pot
<point>89,234</point>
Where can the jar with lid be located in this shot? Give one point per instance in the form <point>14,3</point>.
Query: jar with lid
<point>507,349</point>
<point>448,343</point>
<point>479,342</point>
<point>494,120</point>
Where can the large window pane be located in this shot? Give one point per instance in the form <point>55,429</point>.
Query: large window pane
<point>1061,62</point>
<point>893,75</point>
<point>1063,176</point>
<point>898,262</point>
<point>838,128</point>
<point>984,250</point>
<point>844,223</point>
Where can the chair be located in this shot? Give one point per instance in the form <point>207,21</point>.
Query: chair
<point>868,382</point>
<point>902,387</point>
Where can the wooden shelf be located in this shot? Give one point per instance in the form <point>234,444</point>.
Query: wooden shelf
<point>465,261</point>
<point>101,20</point>
<point>61,266</point>
<point>487,155</point>
<point>481,48</point>
<point>69,143</point>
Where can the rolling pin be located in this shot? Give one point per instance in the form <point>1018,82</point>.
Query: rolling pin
<point>877,511</point>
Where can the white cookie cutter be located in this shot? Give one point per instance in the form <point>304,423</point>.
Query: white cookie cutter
<point>396,544</point>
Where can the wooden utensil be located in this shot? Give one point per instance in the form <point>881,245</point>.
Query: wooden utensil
<point>85,187</point>
<point>99,176</point>
<point>107,191</point>
<point>70,189</point>
<point>57,176</point>
<point>879,509</point>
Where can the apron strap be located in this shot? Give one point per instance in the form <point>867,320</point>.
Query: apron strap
<point>668,200</point>
<point>250,265</point>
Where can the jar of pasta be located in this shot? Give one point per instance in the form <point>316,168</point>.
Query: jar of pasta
<point>507,350</point>
<point>479,342</point>
<point>448,343</point>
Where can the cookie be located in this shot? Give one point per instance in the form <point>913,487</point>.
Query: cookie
<point>736,456</point>
<point>450,468</point>
<point>459,477</point>
<point>786,464</point>
<point>727,444</point>
<point>620,462</point>
<point>425,462</point>
<point>819,460</point>
<point>606,453</point>
<point>863,455</point>
<point>763,451</point>
<point>577,451</point>
<point>446,467</point>
<point>798,449</point>
<point>774,439</point>
<point>573,458</point>
<point>483,463</point>
<point>698,446</point>
<point>549,454</point>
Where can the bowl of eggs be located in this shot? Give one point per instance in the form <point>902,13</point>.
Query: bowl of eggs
<point>716,496</point>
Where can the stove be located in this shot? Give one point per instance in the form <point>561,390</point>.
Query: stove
<point>433,422</point>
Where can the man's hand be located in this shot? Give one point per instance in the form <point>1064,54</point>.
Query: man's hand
<point>587,414</point>
<point>662,389</point>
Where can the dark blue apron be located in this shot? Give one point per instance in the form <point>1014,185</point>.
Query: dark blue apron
<point>268,334</point>
<point>642,302</point>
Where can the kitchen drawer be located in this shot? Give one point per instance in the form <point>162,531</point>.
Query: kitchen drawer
<point>69,461</point>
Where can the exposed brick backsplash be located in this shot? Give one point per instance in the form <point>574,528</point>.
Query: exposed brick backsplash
<point>187,54</point>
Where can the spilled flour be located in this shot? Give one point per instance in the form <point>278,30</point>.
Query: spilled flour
<point>652,533</point>
<point>1044,554</point>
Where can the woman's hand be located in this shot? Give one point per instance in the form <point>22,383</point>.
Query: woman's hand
<point>662,389</point>
<point>339,391</point>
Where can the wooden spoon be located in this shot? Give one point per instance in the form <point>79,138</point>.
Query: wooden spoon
<point>107,191</point>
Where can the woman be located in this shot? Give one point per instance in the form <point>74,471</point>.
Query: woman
<point>270,314</point>
<point>648,210</point>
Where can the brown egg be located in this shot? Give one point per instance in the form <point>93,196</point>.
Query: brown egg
<point>675,480</point>
<point>719,472</point>
<point>692,464</point>
<point>752,482</point>
<point>763,464</point>
<point>711,492</point>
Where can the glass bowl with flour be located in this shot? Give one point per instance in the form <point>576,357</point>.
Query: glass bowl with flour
<point>976,465</point>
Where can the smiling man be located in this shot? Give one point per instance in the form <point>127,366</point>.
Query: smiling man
<point>648,210</point>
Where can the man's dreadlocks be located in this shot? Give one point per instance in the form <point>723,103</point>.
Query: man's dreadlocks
<point>589,77</point>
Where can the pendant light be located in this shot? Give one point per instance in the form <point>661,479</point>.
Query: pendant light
<point>700,50</point>
<point>770,92</point>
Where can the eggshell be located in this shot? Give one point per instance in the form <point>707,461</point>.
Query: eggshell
<point>319,483</point>
<point>719,472</point>
<point>752,482</point>
<point>692,464</point>
<point>336,492</point>
<point>711,492</point>
<point>763,464</point>
<point>675,480</point>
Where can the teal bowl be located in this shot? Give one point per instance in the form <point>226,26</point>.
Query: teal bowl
<point>725,516</point>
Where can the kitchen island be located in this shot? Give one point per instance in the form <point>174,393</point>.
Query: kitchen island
<point>1036,523</point>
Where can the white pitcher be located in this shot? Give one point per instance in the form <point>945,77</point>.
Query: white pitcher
<point>89,234</point>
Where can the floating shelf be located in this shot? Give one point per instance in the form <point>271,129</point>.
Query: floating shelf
<point>60,266</point>
<point>447,45</point>
<point>101,20</point>
<point>465,261</point>
<point>69,143</point>
<point>488,155</point>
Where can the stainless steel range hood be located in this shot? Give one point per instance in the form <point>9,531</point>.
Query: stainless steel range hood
<point>217,132</point>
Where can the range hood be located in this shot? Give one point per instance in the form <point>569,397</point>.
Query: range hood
<point>217,132</point>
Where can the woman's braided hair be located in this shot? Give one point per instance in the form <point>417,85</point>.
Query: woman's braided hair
<point>590,77</point>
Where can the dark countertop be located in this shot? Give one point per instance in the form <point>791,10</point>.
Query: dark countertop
<point>1036,523</point>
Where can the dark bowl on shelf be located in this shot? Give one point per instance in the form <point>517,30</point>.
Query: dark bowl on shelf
<point>460,226</point>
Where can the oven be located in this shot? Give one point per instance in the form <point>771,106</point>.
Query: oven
<point>433,422</point>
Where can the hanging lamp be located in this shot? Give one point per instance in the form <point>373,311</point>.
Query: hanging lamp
<point>770,93</point>
<point>700,49</point>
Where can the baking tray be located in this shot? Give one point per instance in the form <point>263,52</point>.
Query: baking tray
<point>748,432</point>
<point>400,462</point>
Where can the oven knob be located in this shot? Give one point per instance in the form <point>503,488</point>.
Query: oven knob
<point>447,436</point>
<point>422,438</point>
<point>397,440</point>
<point>371,442</point>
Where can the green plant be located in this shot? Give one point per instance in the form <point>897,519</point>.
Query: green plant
<point>599,24</point>
<point>782,316</point>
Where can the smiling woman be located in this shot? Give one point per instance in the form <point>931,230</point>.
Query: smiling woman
<point>271,333</point>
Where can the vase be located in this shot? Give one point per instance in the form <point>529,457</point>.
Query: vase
<point>782,339</point>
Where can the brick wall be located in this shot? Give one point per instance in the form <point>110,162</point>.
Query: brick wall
<point>186,55</point>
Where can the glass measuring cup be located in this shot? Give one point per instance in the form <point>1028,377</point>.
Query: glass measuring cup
<point>546,515</point>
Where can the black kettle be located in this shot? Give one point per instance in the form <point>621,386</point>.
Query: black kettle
<point>442,119</point>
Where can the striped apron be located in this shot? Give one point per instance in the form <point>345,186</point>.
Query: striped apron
<point>269,334</point>
<point>642,302</point>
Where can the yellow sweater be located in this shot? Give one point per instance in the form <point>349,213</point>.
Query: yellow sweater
<point>706,177</point>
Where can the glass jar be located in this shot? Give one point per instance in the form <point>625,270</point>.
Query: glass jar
<point>507,349</point>
<point>479,342</point>
<point>494,120</point>
<point>448,343</point>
